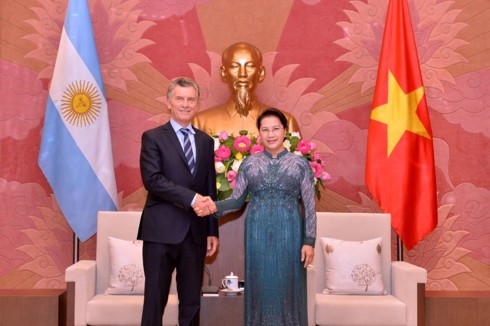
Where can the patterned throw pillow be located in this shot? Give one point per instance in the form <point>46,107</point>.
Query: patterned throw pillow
<point>127,275</point>
<point>352,267</point>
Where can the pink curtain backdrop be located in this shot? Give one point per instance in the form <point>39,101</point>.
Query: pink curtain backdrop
<point>321,58</point>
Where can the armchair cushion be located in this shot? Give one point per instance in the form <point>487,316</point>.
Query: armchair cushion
<point>359,310</point>
<point>126,270</point>
<point>352,267</point>
<point>125,310</point>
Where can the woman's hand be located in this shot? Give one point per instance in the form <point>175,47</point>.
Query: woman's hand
<point>307,255</point>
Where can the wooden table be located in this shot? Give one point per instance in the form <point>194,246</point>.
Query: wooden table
<point>456,308</point>
<point>223,310</point>
<point>40,307</point>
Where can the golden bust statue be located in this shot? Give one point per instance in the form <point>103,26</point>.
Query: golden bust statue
<point>242,70</point>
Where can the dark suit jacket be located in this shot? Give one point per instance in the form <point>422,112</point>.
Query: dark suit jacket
<point>168,215</point>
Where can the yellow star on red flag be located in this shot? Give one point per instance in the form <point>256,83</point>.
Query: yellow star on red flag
<point>400,112</point>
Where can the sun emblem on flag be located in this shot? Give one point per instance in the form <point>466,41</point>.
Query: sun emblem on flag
<point>81,103</point>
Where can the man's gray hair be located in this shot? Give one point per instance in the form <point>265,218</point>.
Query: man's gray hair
<point>182,82</point>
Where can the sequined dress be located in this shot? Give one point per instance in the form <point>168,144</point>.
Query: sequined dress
<point>275,231</point>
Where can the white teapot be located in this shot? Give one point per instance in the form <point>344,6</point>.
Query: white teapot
<point>230,282</point>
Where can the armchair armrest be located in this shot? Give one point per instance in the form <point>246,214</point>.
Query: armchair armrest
<point>82,273</point>
<point>405,280</point>
<point>311,294</point>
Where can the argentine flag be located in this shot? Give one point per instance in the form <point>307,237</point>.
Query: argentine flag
<point>76,151</point>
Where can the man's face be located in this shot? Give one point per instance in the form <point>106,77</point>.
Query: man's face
<point>242,70</point>
<point>183,104</point>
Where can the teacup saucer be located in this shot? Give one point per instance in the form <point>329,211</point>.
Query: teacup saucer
<point>231,291</point>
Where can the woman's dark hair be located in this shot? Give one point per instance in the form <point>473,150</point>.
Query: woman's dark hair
<point>272,112</point>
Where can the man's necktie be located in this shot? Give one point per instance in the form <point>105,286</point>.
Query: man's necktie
<point>188,149</point>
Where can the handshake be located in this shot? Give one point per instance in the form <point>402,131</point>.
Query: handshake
<point>204,206</point>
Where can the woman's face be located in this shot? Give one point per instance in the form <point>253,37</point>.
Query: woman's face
<point>272,134</point>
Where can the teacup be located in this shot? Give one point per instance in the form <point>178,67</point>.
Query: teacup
<point>230,282</point>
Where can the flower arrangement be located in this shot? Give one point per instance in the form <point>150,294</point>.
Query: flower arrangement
<point>230,150</point>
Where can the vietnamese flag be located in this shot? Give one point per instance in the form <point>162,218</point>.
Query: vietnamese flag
<point>400,169</point>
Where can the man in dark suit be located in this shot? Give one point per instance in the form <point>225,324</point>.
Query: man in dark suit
<point>177,168</point>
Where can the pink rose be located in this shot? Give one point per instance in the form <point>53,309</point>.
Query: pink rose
<point>317,169</point>
<point>223,135</point>
<point>313,146</point>
<point>242,144</point>
<point>316,157</point>
<point>326,176</point>
<point>231,175</point>
<point>223,152</point>
<point>257,148</point>
<point>303,146</point>
<point>232,184</point>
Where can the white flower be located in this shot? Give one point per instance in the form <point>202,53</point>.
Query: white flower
<point>295,134</point>
<point>287,145</point>
<point>219,167</point>
<point>216,143</point>
<point>236,164</point>
<point>298,153</point>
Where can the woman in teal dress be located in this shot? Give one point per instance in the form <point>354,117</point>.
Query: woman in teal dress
<point>279,234</point>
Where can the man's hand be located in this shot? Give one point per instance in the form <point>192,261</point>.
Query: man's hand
<point>204,206</point>
<point>213,244</point>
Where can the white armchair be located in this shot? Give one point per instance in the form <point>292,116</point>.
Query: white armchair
<point>402,281</point>
<point>91,279</point>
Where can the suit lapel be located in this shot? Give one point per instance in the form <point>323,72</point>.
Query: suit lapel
<point>174,140</point>
<point>200,145</point>
<point>172,136</point>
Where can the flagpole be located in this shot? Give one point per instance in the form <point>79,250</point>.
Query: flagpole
<point>76,247</point>
<point>399,248</point>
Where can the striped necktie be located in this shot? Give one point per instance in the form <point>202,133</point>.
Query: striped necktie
<point>188,150</point>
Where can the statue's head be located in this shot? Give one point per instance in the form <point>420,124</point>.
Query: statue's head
<point>242,70</point>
